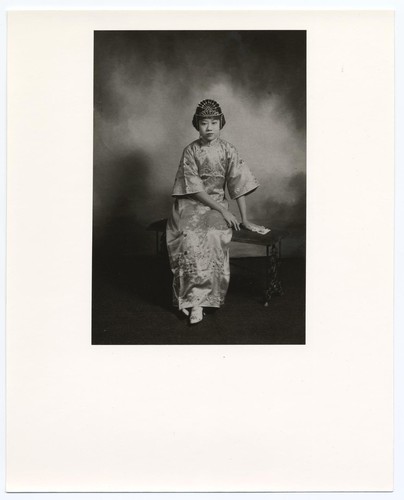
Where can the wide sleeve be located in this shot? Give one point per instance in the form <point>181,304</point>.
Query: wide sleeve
<point>187,180</point>
<point>240,180</point>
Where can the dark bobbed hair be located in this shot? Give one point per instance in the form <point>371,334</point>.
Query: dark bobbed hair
<point>208,108</point>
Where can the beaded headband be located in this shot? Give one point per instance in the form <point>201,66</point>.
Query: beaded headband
<point>208,108</point>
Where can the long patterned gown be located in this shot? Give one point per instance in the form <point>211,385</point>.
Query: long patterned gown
<point>198,237</point>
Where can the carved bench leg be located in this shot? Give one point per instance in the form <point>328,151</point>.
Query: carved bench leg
<point>272,281</point>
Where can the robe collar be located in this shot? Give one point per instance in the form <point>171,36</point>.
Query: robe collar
<point>207,143</point>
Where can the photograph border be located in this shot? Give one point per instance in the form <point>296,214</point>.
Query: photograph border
<point>399,371</point>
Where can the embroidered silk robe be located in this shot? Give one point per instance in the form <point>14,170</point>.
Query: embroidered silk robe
<point>198,237</point>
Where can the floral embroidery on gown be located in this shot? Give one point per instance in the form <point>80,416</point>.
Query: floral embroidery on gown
<point>198,237</point>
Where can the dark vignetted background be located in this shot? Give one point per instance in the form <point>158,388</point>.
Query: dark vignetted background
<point>146,88</point>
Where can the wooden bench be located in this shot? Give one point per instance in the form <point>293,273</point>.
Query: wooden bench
<point>272,241</point>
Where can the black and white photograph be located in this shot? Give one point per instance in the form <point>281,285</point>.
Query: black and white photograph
<point>199,187</point>
<point>200,252</point>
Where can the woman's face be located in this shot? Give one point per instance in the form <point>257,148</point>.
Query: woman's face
<point>209,128</point>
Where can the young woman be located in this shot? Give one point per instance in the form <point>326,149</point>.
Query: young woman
<point>200,227</point>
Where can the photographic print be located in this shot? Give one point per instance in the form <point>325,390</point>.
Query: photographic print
<point>199,187</point>
<point>171,325</point>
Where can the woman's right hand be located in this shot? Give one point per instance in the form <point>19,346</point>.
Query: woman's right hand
<point>231,219</point>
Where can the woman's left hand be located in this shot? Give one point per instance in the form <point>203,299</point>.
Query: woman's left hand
<point>253,227</point>
<point>248,225</point>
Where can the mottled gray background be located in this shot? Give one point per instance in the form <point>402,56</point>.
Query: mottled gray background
<point>146,87</point>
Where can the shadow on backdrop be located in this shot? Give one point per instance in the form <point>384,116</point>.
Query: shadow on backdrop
<point>120,234</point>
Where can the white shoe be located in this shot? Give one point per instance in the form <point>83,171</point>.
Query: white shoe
<point>196,315</point>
